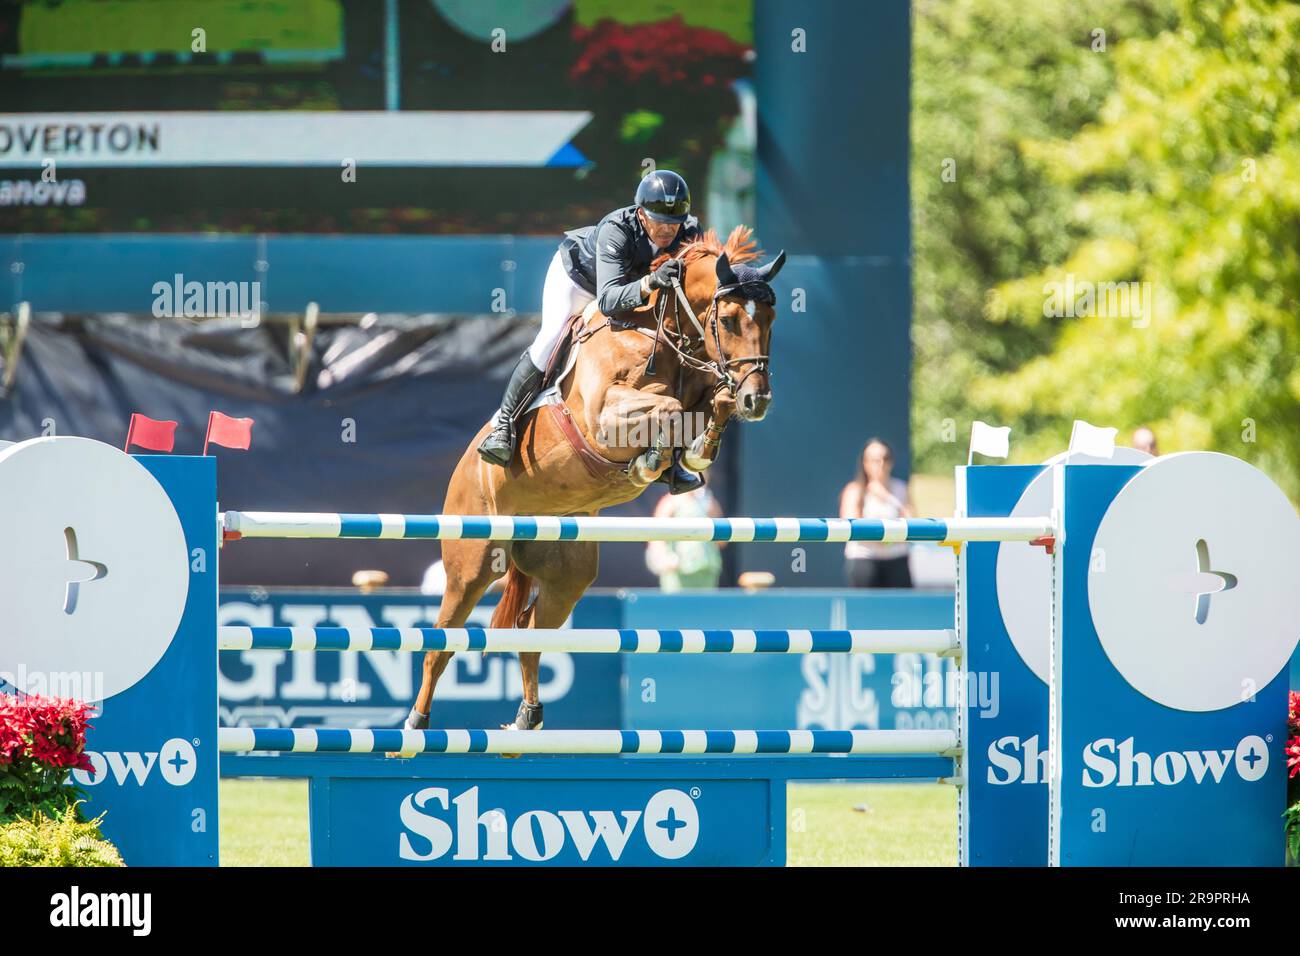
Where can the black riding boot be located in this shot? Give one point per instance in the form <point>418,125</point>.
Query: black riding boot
<point>679,478</point>
<point>499,446</point>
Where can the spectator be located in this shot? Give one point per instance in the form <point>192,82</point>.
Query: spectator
<point>876,494</point>
<point>686,564</point>
<point>1144,439</point>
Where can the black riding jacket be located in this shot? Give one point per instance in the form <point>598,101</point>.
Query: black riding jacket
<point>610,258</point>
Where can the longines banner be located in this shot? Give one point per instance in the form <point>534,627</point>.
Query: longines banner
<point>301,138</point>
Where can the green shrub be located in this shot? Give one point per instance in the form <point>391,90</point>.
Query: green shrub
<point>62,839</point>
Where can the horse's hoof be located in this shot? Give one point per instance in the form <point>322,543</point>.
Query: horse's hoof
<point>509,756</point>
<point>414,721</point>
<point>528,718</point>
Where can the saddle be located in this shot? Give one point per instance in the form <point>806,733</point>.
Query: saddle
<point>566,347</point>
<point>564,356</point>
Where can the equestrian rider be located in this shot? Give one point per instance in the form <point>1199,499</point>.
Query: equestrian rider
<point>608,262</point>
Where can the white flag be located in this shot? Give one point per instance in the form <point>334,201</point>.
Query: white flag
<point>1088,439</point>
<point>989,441</point>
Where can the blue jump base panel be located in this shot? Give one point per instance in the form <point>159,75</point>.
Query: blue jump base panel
<point>643,810</point>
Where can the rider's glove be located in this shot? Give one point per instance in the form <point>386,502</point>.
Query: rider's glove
<point>662,278</point>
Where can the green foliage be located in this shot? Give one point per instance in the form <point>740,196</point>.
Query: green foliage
<point>28,786</point>
<point>62,839</point>
<point>1171,161</point>
<point>1190,183</point>
<point>736,19</point>
<point>639,125</point>
<point>987,77</point>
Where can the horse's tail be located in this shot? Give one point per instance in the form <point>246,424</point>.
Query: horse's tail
<point>512,609</point>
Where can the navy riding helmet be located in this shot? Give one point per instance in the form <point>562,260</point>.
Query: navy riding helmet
<point>664,196</point>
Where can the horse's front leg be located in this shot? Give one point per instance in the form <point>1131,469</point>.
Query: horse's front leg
<point>631,419</point>
<point>703,450</point>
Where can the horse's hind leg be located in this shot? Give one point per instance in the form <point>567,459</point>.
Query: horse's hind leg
<point>471,568</point>
<point>563,571</point>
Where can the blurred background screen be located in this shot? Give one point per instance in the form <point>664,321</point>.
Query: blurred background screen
<point>238,115</point>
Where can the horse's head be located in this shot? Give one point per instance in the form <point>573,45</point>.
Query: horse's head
<point>744,309</point>
<point>735,306</point>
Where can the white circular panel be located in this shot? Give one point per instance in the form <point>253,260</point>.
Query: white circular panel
<point>1152,578</point>
<point>1024,572</point>
<point>517,21</point>
<point>93,567</point>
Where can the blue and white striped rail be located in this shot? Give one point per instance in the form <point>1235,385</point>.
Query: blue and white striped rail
<point>586,641</point>
<point>739,742</point>
<point>283,524</point>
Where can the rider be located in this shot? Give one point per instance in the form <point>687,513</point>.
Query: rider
<point>608,262</point>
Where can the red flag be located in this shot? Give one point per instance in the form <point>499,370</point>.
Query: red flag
<point>147,433</point>
<point>228,432</point>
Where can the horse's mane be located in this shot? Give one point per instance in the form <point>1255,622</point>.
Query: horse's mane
<point>739,247</point>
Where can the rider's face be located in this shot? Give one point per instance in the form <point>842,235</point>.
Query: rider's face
<point>661,234</point>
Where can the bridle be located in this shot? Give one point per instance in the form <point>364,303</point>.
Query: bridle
<point>681,343</point>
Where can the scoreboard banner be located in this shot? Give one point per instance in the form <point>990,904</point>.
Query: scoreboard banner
<point>292,138</point>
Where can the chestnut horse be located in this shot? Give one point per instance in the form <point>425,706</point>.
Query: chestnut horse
<point>636,379</point>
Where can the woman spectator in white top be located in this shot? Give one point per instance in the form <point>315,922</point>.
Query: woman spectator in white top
<point>874,493</point>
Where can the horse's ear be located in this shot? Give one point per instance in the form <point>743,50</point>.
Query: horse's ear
<point>725,275</point>
<point>769,271</point>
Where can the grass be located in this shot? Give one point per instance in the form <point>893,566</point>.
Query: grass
<point>264,823</point>
<point>874,824</point>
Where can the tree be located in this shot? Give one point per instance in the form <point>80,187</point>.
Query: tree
<point>1189,186</point>
<point>986,77</point>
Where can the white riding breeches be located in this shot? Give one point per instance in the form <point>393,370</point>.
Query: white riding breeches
<point>561,298</point>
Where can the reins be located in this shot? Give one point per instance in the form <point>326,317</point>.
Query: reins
<point>683,345</point>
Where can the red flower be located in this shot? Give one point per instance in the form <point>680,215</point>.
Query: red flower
<point>49,731</point>
<point>667,53</point>
<point>1293,734</point>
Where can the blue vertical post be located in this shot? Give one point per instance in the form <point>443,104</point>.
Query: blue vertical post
<point>392,56</point>
<point>1005,704</point>
<point>834,193</point>
<point>157,740</point>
